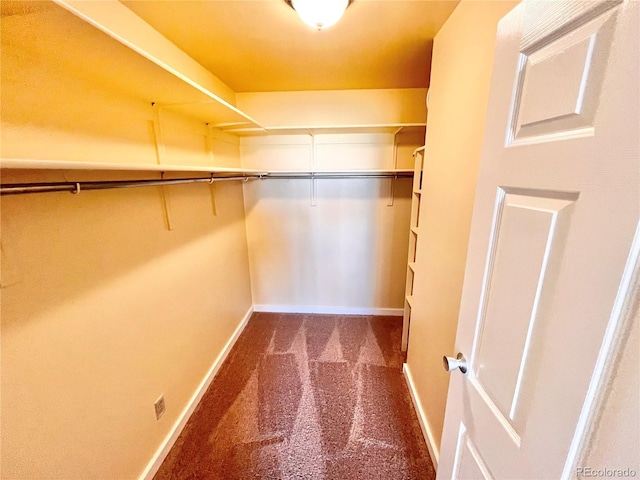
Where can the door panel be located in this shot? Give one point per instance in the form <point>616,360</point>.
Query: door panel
<point>525,235</point>
<point>556,210</point>
<point>549,106</point>
<point>470,464</point>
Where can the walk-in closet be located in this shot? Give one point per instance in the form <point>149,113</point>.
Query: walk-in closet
<point>234,245</point>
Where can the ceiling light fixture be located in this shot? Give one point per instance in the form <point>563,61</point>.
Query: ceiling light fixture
<point>319,14</point>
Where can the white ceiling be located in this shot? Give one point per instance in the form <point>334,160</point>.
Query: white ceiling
<point>261,45</point>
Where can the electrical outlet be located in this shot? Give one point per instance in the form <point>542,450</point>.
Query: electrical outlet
<point>159,406</point>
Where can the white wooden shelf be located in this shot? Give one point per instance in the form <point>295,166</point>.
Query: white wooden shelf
<point>322,129</point>
<point>213,102</point>
<point>140,64</point>
<point>392,171</point>
<point>29,164</point>
<point>418,168</point>
<point>133,59</point>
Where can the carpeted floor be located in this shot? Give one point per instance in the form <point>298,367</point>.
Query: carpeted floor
<point>306,397</point>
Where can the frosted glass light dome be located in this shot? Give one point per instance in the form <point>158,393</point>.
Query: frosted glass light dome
<point>320,14</point>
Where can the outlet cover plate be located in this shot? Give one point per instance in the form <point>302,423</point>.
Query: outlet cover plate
<point>159,407</point>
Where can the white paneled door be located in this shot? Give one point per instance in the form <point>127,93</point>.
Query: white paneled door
<point>553,239</point>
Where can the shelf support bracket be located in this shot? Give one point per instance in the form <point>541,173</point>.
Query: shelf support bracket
<point>157,134</point>
<point>160,154</point>
<point>391,195</point>
<point>314,167</point>
<point>212,189</point>
<point>165,197</point>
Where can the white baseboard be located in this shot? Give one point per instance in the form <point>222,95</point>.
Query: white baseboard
<point>422,418</point>
<point>165,447</point>
<point>396,312</point>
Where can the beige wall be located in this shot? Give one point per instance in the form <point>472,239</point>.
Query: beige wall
<point>461,72</point>
<point>336,107</point>
<point>348,251</point>
<point>103,308</point>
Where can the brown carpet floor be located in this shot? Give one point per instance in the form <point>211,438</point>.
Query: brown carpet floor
<point>306,397</point>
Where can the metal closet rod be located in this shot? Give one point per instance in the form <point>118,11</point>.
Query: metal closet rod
<point>77,187</point>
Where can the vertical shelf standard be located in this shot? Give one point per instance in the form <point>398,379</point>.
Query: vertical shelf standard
<point>416,196</point>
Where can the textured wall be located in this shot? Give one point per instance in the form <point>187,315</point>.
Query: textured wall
<point>348,251</point>
<point>461,73</point>
<point>103,308</point>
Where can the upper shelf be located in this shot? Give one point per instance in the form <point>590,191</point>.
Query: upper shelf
<point>106,46</point>
<point>121,24</point>
<point>79,79</point>
<point>22,164</point>
<point>27,164</point>
<point>50,53</point>
<point>335,111</point>
<point>325,129</point>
